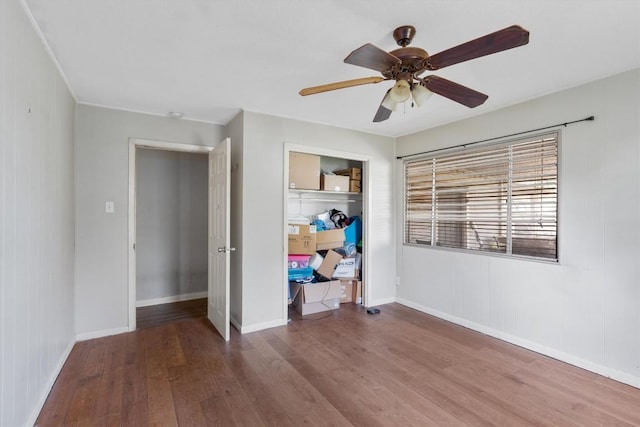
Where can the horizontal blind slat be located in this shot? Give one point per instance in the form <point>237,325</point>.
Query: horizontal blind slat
<point>468,208</point>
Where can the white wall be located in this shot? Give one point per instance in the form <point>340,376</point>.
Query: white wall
<point>586,310</point>
<point>263,210</point>
<point>102,174</point>
<point>236,133</point>
<point>171,223</point>
<point>36,220</point>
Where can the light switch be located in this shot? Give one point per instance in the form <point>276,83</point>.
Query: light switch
<point>108,207</point>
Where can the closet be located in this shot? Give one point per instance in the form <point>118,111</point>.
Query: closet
<point>325,223</point>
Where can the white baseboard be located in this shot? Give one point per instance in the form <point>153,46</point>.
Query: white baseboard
<point>99,334</point>
<point>172,298</point>
<point>49,384</point>
<point>614,374</point>
<point>245,329</point>
<point>382,301</point>
<point>235,324</point>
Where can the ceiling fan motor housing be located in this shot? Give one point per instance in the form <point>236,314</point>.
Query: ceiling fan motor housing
<point>404,35</point>
<point>413,58</point>
<point>413,62</point>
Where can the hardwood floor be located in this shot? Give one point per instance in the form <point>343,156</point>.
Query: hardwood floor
<point>160,314</point>
<point>397,368</point>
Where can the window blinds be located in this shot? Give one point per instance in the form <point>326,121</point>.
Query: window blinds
<point>499,198</point>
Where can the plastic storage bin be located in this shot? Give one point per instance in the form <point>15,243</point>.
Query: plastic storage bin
<point>298,261</point>
<point>300,274</point>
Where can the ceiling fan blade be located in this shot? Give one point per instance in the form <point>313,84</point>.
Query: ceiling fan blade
<point>383,113</point>
<point>340,85</point>
<point>372,57</point>
<point>454,91</point>
<point>504,39</point>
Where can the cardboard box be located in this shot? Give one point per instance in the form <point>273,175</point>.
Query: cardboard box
<point>329,264</point>
<point>334,183</point>
<point>347,268</point>
<point>304,171</point>
<point>302,239</point>
<point>351,291</point>
<point>329,239</point>
<point>356,292</point>
<point>352,173</point>
<point>335,266</point>
<point>355,186</point>
<point>346,286</point>
<point>310,298</point>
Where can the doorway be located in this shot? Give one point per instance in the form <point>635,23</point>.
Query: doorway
<point>171,219</point>
<point>171,262</point>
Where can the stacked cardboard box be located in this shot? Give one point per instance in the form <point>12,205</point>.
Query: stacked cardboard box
<point>310,298</point>
<point>342,272</point>
<point>330,253</point>
<point>336,183</point>
<point>304,171</point>
<point>330,239</point>
<point>351,291</point>
<point>355,178</point>
<point>302,239</point>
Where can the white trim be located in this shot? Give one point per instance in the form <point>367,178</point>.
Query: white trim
<point>319,122</point>
<point>382,301</point>
<point>321,151</point>
<point>131,239</point>
<point>100,334</point>
<point>235,323</point>
<point>148,113</point>
<point>366,209</point>
<point>47,48</point>
<point>172,298</point>
<point>46,389</point>
<point>285,240</point>
<point>245,329</point>
<point>135,143</point>
<point>169,146</point>
<point>614,374</point>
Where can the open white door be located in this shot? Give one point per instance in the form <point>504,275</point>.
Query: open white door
<point>219,241</point>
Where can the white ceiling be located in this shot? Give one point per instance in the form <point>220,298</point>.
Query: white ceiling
<point>211,58</point>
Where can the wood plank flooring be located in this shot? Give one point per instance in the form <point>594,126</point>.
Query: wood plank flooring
<point>160,314</point>
<point>398,368</point>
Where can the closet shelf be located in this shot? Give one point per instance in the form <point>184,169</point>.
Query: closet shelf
<point>324,196</point>
<point>314,199</point>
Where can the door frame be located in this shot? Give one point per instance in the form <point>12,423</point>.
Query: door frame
<point>134,144</point>
<point>366,208</point>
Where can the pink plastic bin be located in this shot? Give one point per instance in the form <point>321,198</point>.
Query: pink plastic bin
<point>298,261</point>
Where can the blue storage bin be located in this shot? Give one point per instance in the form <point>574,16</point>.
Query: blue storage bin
<point>300,273</point>
<point>353,232</point>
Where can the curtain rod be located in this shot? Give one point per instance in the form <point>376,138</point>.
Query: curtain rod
<point>589,119</point>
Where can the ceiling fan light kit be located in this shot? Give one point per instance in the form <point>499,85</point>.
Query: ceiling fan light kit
<point>406,64</point>
<point>401,91</point>
<point>420,94</point>
<point>388,102</point>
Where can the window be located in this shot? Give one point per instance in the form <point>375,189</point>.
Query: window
<point>501,198</point>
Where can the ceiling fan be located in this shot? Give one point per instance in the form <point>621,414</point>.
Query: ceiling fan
<point>406,64</point>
